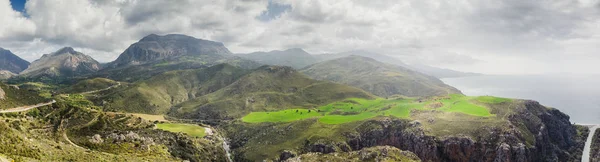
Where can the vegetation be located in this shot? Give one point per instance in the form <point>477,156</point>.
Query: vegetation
<point>189,129</point>
<point>360,109</point>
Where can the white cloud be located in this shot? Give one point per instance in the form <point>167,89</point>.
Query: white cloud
<point>472,35</point>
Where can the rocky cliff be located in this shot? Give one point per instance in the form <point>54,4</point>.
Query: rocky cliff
<point>11,62</point>
<point>536,133</point>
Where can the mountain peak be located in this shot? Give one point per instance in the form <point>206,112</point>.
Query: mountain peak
<point>64,50</point>
<point>295,50</point>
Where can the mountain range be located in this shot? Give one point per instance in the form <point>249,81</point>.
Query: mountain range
<point>179,98</point>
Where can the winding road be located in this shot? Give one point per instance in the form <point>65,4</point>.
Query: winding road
<point>107,88</point>
<point>588,143</point>
<point>25,108</point>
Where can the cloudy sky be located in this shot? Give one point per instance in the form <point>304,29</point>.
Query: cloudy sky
<point>487,36</point>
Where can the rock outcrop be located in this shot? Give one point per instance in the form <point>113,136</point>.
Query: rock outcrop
<point>5,74</point>
<point>11,62</point>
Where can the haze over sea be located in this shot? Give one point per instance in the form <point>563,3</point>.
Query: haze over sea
<point>576,95</point>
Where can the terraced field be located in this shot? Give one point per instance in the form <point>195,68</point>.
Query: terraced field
<point>360,109</point>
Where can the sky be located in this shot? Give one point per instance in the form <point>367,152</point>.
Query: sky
<point>485,36</point>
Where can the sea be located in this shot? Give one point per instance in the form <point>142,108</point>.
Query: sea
<point>575,95</point>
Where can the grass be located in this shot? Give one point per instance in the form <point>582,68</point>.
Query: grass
<point>189,129</point>
<point>357,109</point>
<point>150,117</point>
<point>492,99</point>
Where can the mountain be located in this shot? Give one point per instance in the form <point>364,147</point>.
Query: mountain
<point>156,54</point>
<point>154,48</point>
<point>295,57</point>
<point>440,72</point>
<point>429,70</point>
<point>11,62</point>
<point>65,62</point>
<point>5,74</point>
<point>376,56</point>
<point>267,88</point>
<point>378,78</point>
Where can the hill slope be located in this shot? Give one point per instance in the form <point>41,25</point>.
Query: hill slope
<point>157,94</point>
<point>266,88</point>
<point>12,97</point>
<point>378,78</point>
<point>295,57</point>
<point>65,62</point>
<point>11,62</point>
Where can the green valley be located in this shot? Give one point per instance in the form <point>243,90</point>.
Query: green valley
<point>360,109</point>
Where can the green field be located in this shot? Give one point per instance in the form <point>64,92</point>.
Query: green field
<point>189,129</point>
<point>360,109</point>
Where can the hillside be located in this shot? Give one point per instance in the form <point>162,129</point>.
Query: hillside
<point>266,88</point>
<point>156,54</point>
<point>75,130</point>
<point>11,62</point>
<point>157,94</point>
<point>65,62</point>
<point>378,78</point>
<point>295,57</point>
<point>13,96</point>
